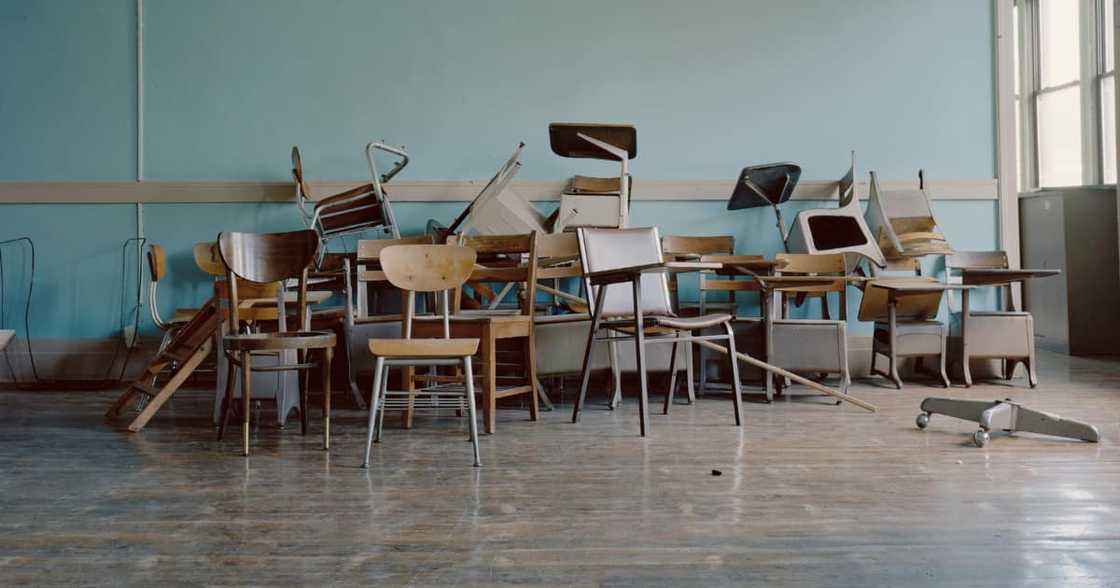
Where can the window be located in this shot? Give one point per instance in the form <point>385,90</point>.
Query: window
<point>1106,91</point>
<point>1065,92</point>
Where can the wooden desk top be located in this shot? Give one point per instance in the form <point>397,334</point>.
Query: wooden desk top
<point>734,264</point>
<point>993,276</point>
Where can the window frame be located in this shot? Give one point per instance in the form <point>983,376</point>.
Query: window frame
<point>1091,15</point>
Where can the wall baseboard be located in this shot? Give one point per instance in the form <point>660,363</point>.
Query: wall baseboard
<point>432,190</point>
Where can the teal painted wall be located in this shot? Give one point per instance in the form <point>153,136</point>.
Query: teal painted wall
<point>230,86</point>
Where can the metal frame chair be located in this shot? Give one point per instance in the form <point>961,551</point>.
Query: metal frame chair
<point>615,258</point>
<point>431,269</point>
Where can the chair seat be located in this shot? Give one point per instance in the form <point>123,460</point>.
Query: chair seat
<point>423,348</point>
<point>279,341</point>
<point>691,322</point>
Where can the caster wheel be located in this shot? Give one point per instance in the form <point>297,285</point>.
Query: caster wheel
<point>922,421</point>
<point>981,438</point>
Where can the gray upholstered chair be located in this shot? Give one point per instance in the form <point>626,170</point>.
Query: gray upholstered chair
<point>628,287</point>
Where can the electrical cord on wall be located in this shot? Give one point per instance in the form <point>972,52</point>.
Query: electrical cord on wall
<point>26,310</point>
<point>134,311</point>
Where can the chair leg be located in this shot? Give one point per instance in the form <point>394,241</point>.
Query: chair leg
<point>328,352</point>
<point>470,409</point>
<point>304,384</point>
<point>688,372</point>
<point>246,398</point>
<point>530,347</point>
<point>227,399</point>
<point>490,382</point>
<point>585,373</point>
<point>374,402</point>
<point>640,348</point>
<point>672,379</point>
<point>736,395</point>
<point>383,390</point>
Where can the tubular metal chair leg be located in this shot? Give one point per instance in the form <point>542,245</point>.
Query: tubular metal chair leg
<point>640,345</point>
<point>736,394</point>
<point>383,390</point>
<point>469,373</point>
<point>585,375</point>
<point>672,379</point>
<point>373,405</point>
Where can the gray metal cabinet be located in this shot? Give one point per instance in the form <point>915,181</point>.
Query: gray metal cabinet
<point>1073,230</point>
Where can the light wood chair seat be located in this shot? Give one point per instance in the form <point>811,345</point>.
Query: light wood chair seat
<point>279,341</point>
<point>426,348</point>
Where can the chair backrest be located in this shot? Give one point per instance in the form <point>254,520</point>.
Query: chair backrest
<point>977,260</point>
<point>157,269</point>
<point>503,258</point>
<point>264,258</point>
<point>208,259</point>
<point>157,262</point>
<point>681,246</point>
<point>369,250</point>
<point>818,264</point>
<point>426,268</point>
<point>606,249</point>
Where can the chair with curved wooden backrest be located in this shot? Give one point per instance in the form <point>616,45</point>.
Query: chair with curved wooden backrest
<point>267,259</point>
<point>504,332</point>
<point>427,269</point>
<point>157,271</point>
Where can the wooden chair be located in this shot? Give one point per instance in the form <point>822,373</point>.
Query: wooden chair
<point>429,269</point>
<point>616,260</point>
<point>689,248</point>
<point>905,319</point>
<point>508,259</point>
<point>1005,333</point>
<point>264,259</point>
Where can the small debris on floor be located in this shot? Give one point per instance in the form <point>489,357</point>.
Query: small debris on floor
<point>717,473</point>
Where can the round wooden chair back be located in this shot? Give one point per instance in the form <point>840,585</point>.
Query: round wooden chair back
<point>269,257</point>
<point>427,268</point>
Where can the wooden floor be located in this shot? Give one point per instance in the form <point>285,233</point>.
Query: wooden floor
<point>810,494</point>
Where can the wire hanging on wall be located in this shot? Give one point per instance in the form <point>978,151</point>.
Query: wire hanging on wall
<point>26,309</point>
